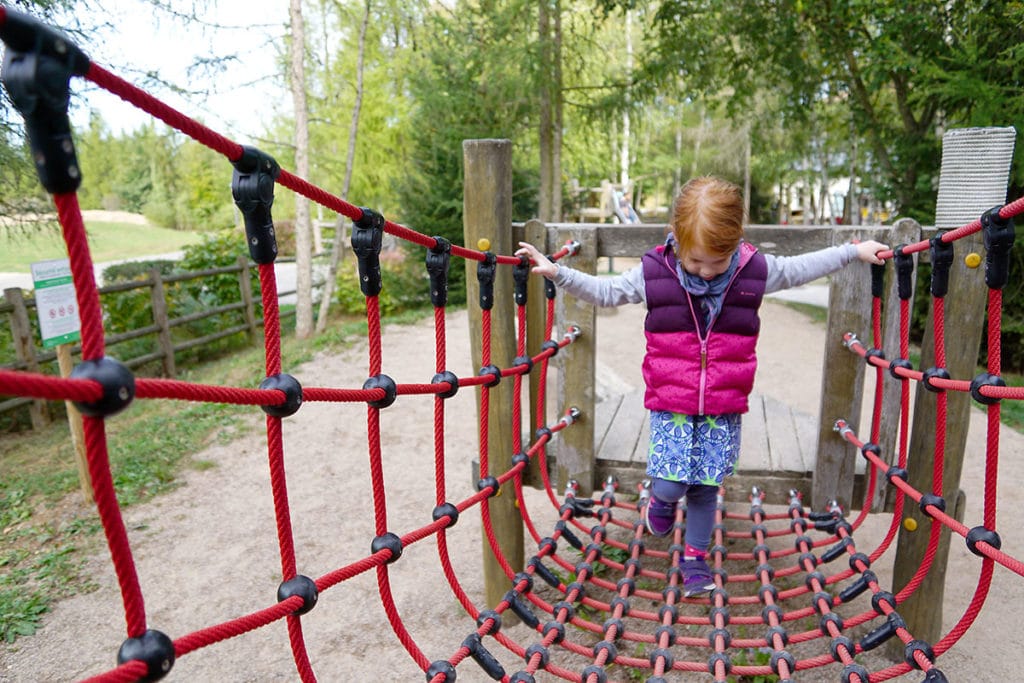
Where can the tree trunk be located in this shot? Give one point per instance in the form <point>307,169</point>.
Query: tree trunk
<point>338,244</point>
<point>549,29</point>
<point>303,228</point>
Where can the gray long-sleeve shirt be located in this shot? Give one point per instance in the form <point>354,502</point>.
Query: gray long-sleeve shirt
<point>628,288</point>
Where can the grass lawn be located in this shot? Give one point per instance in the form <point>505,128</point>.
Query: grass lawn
<point>107,242</point>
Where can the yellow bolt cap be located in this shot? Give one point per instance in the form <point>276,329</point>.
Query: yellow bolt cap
<point>483,244</point>
<point>972,260</point>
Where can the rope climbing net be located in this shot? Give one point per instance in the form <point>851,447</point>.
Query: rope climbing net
<point>614,628</point>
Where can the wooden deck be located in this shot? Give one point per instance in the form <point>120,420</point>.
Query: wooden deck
<point>777,452</point>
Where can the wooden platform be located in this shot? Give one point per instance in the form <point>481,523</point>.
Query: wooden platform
<point>777,452</point>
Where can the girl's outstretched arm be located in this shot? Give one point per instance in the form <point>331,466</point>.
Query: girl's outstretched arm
<point>541,264</point>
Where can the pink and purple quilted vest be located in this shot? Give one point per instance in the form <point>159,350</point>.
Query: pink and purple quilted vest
<point>689,369</point>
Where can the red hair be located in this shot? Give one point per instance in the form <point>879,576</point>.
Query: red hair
<point>708,212</point>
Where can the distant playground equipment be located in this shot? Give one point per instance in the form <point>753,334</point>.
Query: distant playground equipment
<point>608,203</point>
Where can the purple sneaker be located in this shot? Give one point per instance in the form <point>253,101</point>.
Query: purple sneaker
<point>697,577</point>
<point>659,517</point>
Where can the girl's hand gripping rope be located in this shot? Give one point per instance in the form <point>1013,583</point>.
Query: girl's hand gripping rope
<point>541,264</point>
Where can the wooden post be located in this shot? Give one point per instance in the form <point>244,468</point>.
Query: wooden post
<point>487,213</point>
<point>245,285</point>
<point>75,425</point>
<point>849,310</point>
<point>575,446</point>
<point>905,231</point>
<point>536,312</point>
<point>25,347</point>
<point>159,304</point>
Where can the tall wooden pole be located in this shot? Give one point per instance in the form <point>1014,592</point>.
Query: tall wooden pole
<point>487,214</point>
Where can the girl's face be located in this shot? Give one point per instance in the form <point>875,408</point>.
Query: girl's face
<point>697,261</point>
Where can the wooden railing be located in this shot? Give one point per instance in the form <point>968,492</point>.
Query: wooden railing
<point>19,311</point>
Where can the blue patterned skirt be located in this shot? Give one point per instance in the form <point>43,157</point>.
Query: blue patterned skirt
<point>693,449</point>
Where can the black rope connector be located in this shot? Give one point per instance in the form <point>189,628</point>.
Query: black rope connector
<point>838,644</point>
<point>451,379</point>
<point>550,344</point>
<point>564,606</point>
<point>605,646</point>
<point>714,659</point>
<point>835,551</point>
<point>117,381</point>
<point>998,234</point>
<point>559,629</point>
<point>388,541</point>
<point>37,69</point>
<point>292,395</point>
<point>577,588</point>
<point>904,273</point>
<point>522,458</point>
<point>932,374</point>
<point>719,593</point>
<point>521,278</point>
<point>367,238</point>
<point>877,280</point>
<point>899,363</point>
<point>152,647</point>
<point>857,587</point>
<point>620,603</point>
<point>930,499</point>
<point>870,447</point>
<point>981,534</point>
<point>722,633</point>
<point>854,669</point>
<point>914,647</point>
<point>780,656</point>
<point>444,668</point>
<point>595,673</point>
<point>986,380</point>
<point>302,586</point>
<point>446,510</point>
<point>942,260</point>
<point>611,622</point>
<point>522,677</point>
<point>830,618</point>
<point>767,612</point>
<point>550,291</point>
<point>489,483</point>
<point>663,654</point>
<point>543,432</point>
<point>495,619</point>
<point>668,632</point>
<point>252,187</point>
<point>438,260</point>
<point>535,650</point>
<point>523,360</point>
<point>494,371</point>
<point>933,675</point>
<point>485,271</point>
<point>520,578</point>
<point>883,598</point>
<point>873,353</point>
<point>765,590</point>
<point>895,472</point>
<point>776,631</point>
<point>860,562</point>
<point>544,573</point>
<point>716,613</point>
<point>387,384</point>
<point>491,666</point>
<point>522,610</point>
<point>883,633</point>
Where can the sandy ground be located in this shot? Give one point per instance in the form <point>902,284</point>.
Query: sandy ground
<point>207,552</point>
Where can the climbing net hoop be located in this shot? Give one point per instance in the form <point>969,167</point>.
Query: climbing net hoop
<point>556,588</point>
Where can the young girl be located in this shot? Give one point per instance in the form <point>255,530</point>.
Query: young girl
<point>702,288</point>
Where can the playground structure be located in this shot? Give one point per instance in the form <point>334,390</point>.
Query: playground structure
<point>102,387</point>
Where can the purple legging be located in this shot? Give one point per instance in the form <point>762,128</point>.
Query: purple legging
<point>701,502</point>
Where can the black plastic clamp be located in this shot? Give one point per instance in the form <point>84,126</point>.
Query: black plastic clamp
<point>387,384</point>
<point>933,675</point>
<point>522,610</point>
<point>494,371</point>
<point>559,631</point>
<point>521,458</point>
<point>714,659</point>
<point>541,570</point>
<point>302,586</point>
<point>520,278</point>
<point>873,353</point>
<point>615,623</point>
<point>895,472</point>
<point>902,363</point>
<point>981,534</point>
<point>442,667</point>
<point>367,238</point>
<point>523,360</point>
<point>485,271</point>
<point>883,598</point>
<point>114,377</point>
<point>446,510</point>
<point>37,69</point>
<point>722,633</point>
<point>550,344</point>
<point>438,260</point>
<point>480,654</point>
<point>942,260</point>
<point>451,379</point>
<point>854,669</point>
<point>566,607</point>
<point>522,677</point>
<point>780,656</point>
<point>252,187</point>
<point>986,380</point>
<point>292,395</point>
<point>877,280</point>
<point>836,551</point>
<point>859,562</point>
<point>593,672</point>
<point>535,650</point>
<point>550,291</point>
<point>523,577</point>
<point>665,655</point>
<point>495,619</point>
<point>830,618</point>
<point>605,646</point>
<point>931,374</point>
<point>489,483</point>
<point>387,541</point>
<point>669,632</point>
<point>914,647</point>
<point>998,234</point>
<point>152,647</point>
<point>904,273</point>
<point>930,499</point>
<point>620,603</point>
<point>779,632</point>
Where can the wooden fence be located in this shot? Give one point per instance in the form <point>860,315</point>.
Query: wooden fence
<point>20,309</point>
